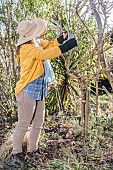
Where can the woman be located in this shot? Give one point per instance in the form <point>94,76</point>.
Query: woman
<point>31,89</point>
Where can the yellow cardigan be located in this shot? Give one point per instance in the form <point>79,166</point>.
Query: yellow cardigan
<point>31,59</point>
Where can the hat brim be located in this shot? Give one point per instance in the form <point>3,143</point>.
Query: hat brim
<point>41,26</point>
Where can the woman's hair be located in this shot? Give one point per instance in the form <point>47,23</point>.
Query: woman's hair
<point>18,47</point>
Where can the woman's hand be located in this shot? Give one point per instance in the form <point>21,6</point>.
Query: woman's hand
<point>63,36</point>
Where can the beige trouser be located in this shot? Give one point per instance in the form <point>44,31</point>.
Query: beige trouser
<point>26,105</point>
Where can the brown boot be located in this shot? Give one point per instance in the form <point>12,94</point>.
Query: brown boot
<point>34,157</point>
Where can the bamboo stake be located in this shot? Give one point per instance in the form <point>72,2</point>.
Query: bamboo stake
<point>87,110</point>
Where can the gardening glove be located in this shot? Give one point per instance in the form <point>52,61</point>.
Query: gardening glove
<point>63,36</point>
<point>68,45</point>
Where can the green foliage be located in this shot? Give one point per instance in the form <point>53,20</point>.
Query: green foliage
<point>73,71</point>
<point>70,69</point>
<point>63,165</point>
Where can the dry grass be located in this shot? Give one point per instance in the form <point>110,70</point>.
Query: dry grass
<point>6,147</point>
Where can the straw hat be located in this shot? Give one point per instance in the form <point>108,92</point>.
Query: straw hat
<point>28,30</point>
